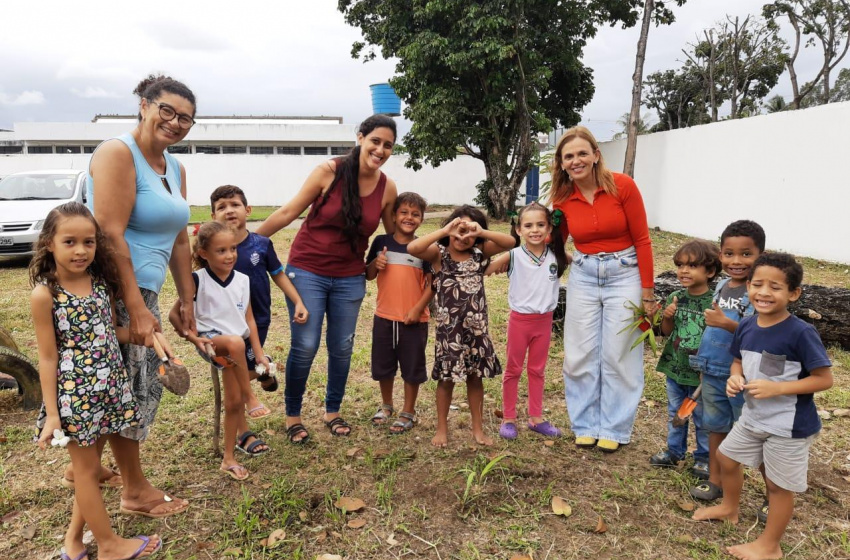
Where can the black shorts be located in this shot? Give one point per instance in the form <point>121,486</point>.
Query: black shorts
<point>399,346</point>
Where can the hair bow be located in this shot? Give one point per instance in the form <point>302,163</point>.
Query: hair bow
<point>557,216</point>
<point>195,231</point>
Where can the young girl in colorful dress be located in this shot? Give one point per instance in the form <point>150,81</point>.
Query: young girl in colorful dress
<point>459,253</point>
<point>86,390</point>
<point>534,269</point>
<point>225,321</point>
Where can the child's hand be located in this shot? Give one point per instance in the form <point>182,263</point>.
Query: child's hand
<point>381,260</point>
<point>763,389</point>
<point>451,227</point>
<point>412,316</point>
<point>734,385</point>
<point>670,310</point>
<point>46,436</point>
<point>715,317</point>
<point>473,230</point>
<point>301,313</point>
<point>201,343</point>
<point>264,361</point>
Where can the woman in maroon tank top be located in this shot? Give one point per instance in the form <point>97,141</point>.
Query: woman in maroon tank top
<point>349,197</point>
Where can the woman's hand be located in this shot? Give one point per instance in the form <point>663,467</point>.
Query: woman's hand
<point>187,318</point>
<point>46,437</point>
<point>142,326</point>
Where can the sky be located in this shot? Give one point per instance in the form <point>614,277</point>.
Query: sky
<point>67,61</point>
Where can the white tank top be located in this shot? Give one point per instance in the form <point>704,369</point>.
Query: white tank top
<point>221,306</point>
<point>534,282</point>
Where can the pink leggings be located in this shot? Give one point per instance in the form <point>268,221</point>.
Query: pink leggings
<point>532,333</point>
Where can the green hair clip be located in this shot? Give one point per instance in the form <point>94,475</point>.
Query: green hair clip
<point>557,216</point>
<point>512,214</point>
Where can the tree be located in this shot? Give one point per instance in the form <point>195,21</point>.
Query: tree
<point>753,59</point>
<point>776,104</point>
<point>652,11</point>
<point>703,61</point>
<point>642,125</point>
<point>481,78</point>
<point>826,20</point>
<point>678,97</point>
<point>840,91</point>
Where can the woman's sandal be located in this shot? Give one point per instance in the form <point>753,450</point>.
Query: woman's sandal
<point>249,448</point>
<point>404,423</point>
<point>294,430</point>
<point>382,415</point>
<point>337,427</point>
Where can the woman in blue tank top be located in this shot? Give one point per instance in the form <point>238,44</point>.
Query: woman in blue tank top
<point>137,192</point>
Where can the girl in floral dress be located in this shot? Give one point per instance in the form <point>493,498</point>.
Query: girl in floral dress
<point>459,253</point>
<point>87,397</point>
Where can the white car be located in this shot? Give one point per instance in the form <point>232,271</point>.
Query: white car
<point>26,199</point>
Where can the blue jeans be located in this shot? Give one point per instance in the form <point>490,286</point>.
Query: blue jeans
<point>603,378</point>
<point>339,299</point>
<point>677,437</point>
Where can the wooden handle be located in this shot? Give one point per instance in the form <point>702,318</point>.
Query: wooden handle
<point>158,349</point>
<point>208,348</point>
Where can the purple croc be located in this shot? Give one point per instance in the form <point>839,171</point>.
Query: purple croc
<point>508,430</point>
<point>545,428</point>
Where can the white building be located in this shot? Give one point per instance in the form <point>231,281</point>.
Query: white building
<point>271,135</point>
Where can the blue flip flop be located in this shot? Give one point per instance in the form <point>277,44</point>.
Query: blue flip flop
<point>64,555</point>
<point>145,540</point>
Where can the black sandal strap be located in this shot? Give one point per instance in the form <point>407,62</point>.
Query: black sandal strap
<point>337,425</point>
<point>253,445</point>
<point>296,429</point>
<point>245,437</point>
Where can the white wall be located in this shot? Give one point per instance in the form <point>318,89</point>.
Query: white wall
<point>272,180</point>
<point>787,171</point>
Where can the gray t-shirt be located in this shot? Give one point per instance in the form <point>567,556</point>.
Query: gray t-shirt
<point>731,298</point>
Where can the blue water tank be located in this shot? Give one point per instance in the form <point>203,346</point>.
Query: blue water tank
<point>384,100</point>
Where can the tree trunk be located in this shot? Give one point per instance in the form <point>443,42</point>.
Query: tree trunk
<point>792,73</point>
<point>712,95</point>
<point>637,83</point>
<point>503,193</point>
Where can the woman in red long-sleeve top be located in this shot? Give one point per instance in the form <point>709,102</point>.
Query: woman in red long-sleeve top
<point>612,265</point>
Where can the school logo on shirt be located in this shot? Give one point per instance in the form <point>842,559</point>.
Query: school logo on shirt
<point>255,258</point>
<point>553,271</point>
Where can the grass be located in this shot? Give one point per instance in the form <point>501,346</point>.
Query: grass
<point>200,214</point>
<point>414,494</point>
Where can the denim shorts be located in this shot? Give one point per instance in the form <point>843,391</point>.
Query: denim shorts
<point>211,334</point>
<point>719,412</point>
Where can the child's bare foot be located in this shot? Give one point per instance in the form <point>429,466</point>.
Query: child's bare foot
<point>441,439</point>
<point>140,547</point>
<point>481,438</point>
<point>258,410</point>
<point>73,546</point>
<point>108,478</point>
<point>716,513</point>
<point>755,551</point>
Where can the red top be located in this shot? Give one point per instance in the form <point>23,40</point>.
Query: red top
<point>611,223</point>
<point>320,246</point>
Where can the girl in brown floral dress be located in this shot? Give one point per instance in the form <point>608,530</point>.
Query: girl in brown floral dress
<point>459,253</point>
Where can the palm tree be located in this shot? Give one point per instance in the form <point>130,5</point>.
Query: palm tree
<point>643,126</point>
<point>776,104</point>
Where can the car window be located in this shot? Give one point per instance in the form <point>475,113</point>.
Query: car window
<point>38,186</point>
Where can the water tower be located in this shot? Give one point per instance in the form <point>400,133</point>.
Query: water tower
<point>384,100</point>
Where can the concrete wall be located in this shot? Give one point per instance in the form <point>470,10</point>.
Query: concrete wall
<point>272,180</point>
<point>783,170</point>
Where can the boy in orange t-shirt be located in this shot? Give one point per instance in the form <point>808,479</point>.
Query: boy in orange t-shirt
<point>400,330</point>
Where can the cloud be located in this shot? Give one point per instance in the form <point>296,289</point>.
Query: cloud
<point>92,92</point>
<point>24,98</point>
<point>77,68</point>
<point>178,36</point>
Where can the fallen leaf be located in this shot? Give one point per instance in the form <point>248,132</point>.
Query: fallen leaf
<point>561,507</point>
<point>276,536</point>
<point>601,526</point>
<point>322,536</point>
<point>498,413</point>
<point>28,532</point>
<point>232,552</point>
<point>846,478</point>
<point>269,432</point>
<point>356,523</point>
<point>350,504</point>
<point>328,557</point>
<point>464,405</point>
<point>352,452</point>
<point>264,542</point>
<point>302,515</point>
<point>3,439</point>
<point>549,443</point>
<point>9,516</point>
<point>88,537</point>
<point>651,404</point>
<point>336,535</point>
<point>266,485</point>
<point>687,506</point>
<point>204,545</point>
<point>391,540</point>
<point>521,557</point>
<point>380,453</point>
<point>841,412</point>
